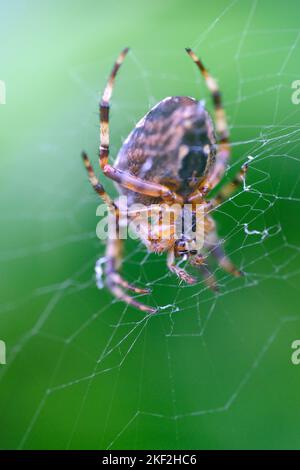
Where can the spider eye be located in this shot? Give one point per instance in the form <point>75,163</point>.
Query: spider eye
<point>181,247</point>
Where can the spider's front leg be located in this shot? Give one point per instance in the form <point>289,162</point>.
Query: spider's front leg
<point>96,183</point>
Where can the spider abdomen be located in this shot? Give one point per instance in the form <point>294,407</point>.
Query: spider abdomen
<point>174,144</point>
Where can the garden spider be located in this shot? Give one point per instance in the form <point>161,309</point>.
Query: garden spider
<point>171,156</point>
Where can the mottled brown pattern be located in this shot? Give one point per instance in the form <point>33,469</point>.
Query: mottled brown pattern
<point>173,145</point>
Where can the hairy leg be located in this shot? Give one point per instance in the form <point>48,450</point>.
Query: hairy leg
<point>223,152</point>
<point>125,179</point>
<point>116,283</point>
<point>180,273</point>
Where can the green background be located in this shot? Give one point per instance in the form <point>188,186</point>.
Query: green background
<point>83,370</point>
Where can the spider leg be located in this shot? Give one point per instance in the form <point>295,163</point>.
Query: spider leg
<point>223,152</point>
<point>231,187</point>
<point>225,262</point>
<point>96,184</point>
<point>181,273</point>
<point>104,110</point>
<point>114,280</point>
<point>215,249</point>
<point>209,279</point>
<point>224,193</point>
<point>141,186</point>
<point>126,180</point>
<point>212,242</point>
<point>116,283</point>
<point>117,279</point>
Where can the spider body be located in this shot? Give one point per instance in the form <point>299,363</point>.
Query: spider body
<point>174,155</point>
<point>174,145</point>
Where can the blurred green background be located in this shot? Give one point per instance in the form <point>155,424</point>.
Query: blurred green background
<point>83,370</point>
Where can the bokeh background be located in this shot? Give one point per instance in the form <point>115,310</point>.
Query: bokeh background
<point>83,370</point>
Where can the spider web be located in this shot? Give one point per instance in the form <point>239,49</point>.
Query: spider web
<point>110,377</point>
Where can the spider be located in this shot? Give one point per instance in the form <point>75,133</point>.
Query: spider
<point>171,156</point>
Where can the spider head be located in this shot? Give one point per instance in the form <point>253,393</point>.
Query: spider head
<point>185,247</point>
